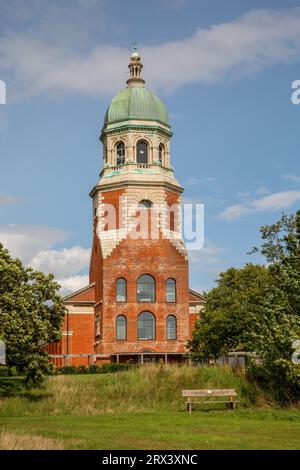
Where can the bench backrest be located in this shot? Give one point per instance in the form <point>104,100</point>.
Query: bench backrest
<point>229,392</point>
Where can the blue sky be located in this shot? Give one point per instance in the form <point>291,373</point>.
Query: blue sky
<point>224,70</point>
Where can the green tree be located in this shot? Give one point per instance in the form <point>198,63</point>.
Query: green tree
<point>233,314</point>
<point>31,314</point>
<point>257,308</point>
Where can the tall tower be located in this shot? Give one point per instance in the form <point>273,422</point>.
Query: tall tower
<point>139,263</point>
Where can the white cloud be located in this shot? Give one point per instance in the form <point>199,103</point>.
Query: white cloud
<point>262,191</point>
<point>207,259</point>
<point>55,20</point>
<point>62,263</point>
<point>234,212</point>
<point>291,177</point>
<point>74,283</point>
<point>271,203</point>
<point>25,241</point>
<point>7,200</point>
<point>33,245</point>
<point>276,201</point>
<point>247,45</point>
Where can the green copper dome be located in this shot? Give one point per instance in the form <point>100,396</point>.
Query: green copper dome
<point>136,102</point>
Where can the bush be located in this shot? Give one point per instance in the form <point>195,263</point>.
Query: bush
<point>6,371</point>
<point>279,378</point>
<point>10,385</point>
<point>114,367</point>
<point>94,369</point>
<point>67,370</point>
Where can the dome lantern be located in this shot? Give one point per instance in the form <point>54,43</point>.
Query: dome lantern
<point>135,69</point>
<point>136,102</point>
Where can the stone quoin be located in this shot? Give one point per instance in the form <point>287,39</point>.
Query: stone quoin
<point>138,305</point>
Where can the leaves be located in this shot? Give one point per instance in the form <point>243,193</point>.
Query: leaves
<point>31,314</point>
<point>257,308</point>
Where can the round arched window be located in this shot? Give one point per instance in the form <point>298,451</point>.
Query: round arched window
<point>171,327</point>
<point>146,326</point>
<point>121,327</point>
<point>145,204</point>
<point>171,290</point>
<point>120,153</point>
<point>146,288</point>
<point>121,290</point>
<point>161,153</point>
<point>142,152</point>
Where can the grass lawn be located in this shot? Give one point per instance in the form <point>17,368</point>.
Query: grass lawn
<point>163,430</point>
<point>143,409</point>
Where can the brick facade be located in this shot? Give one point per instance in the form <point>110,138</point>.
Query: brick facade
<point>138,241</point>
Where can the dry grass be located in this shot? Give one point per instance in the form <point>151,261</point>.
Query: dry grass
<point>16,441</point>
<point>143,409</point>
<point>148,388</point>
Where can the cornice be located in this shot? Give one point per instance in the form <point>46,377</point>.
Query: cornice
<point>112,186</point>
<point>134,127</point>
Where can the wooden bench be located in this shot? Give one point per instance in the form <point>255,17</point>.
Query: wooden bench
<point>198,396</point>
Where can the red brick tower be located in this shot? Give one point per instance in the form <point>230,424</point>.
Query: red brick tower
<point>139,263</point>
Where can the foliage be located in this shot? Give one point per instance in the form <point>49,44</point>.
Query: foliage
<point>279,377</point>
<point>274,246</point>
<point>10,385</point>
<point>6,371</point>
<point>93,369</point>
<point>257,308</point>
<point>31,313</point>
<point>231,314</point>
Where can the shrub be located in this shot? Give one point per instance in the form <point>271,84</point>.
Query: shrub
<point>67,370</point>
<point>280,378</point>
<point>114,367</point>
<point>94,369</point>
<point>10,385</point>
<point>6,371</point>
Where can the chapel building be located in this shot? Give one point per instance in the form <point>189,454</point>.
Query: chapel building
<point>138,306</point>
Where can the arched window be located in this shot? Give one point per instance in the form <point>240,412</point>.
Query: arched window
<point>120,153</point>
<point>142,152</point>
<point>171,327</point>
<point>121,290</point>
<point>145,204</point>
<point>121,327</point>
<point>172,216</point>
<point>146,289</point>
<point>146,326</point>
<point>161,153</point>
<point>171,290</point>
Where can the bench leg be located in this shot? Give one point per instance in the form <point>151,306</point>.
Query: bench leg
<point>232,405</point>
<point>189,407</point>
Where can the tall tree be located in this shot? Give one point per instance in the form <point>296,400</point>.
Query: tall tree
<point>31,313</point>
<point>232,313</point>
<point>257,308</point>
